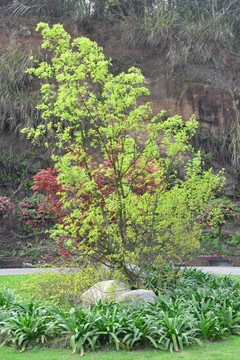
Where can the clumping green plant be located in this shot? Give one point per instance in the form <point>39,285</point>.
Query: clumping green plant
<point>29,324</point>
<point>208,238</point>
<point>235,239</point>
<point>197,306</point>
<point>209,244</point>
<point>131,210</point>
<point>7,298</point>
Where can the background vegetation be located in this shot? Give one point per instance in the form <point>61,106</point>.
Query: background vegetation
<point>180,33</point>
<point>196,32</point>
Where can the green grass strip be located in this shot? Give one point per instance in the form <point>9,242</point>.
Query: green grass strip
<point>223,350</point>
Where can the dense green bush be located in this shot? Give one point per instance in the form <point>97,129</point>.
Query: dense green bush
<point>64,287</point>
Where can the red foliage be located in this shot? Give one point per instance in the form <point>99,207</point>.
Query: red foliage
<point>46,182</point>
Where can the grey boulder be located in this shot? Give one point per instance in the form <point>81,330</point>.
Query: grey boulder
<point>104,290</point>
<point>135,297</point>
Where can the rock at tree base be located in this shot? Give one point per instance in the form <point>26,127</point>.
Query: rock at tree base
<point>112,290</point>
<point>134,297</point>
<point>104,290</point>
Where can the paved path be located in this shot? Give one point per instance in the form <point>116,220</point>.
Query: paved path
<point>222,270</point>
<point>24,271</point>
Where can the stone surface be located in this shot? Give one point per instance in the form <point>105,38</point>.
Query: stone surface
<point>104,290</point>
<point>134,297</point>
<point>231,185</point>
<point>215,108</point>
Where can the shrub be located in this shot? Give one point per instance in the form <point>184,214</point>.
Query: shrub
<point>32,216</point>
<point>6,207</point>
<point>30,213</point>
<point>65,287</point>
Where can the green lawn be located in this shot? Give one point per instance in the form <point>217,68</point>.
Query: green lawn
<point>16,282</point>
<point>224,350</point>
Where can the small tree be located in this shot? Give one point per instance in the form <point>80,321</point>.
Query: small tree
<point>129,211</point>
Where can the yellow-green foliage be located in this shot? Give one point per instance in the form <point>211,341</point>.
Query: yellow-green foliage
<point>66,285</point>
<point>135,210</point>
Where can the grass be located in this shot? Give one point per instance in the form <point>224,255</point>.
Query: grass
<point>224,350</point>
<point>236,277</point>
<point>16,282</point>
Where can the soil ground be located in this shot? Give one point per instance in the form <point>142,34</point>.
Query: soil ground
<point>17,246</point>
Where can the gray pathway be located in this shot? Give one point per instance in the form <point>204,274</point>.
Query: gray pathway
<point>221,270</point>
<point>212,269</point>
<point>24,271</point>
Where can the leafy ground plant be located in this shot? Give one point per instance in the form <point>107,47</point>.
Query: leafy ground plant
<point>198,307</point>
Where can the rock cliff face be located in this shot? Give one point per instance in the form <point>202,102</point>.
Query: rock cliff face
<point>215,108</point>
<point>208,93</point>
